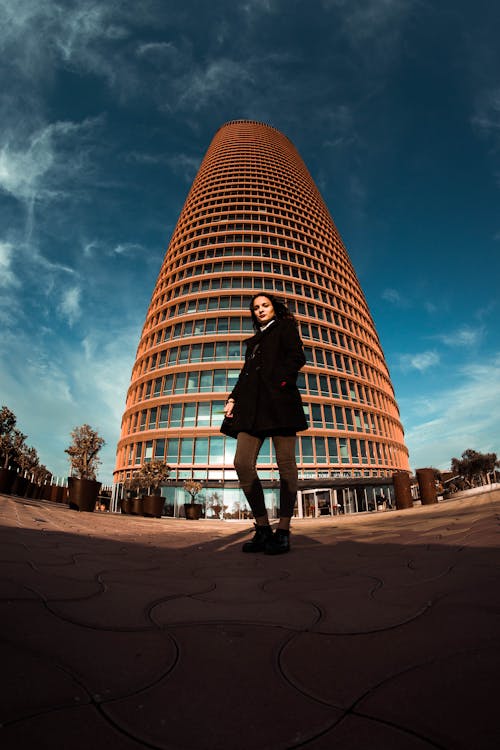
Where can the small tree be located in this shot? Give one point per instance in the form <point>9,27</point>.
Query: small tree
<point>193,488</point>
<point>42,474</point>
<point>83,452</point>
<point>28,459</point>
<point>151,475</point>
<point>11,439</point>
<point>474,465</point>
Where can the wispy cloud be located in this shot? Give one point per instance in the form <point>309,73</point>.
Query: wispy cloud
<point>369,19</point>
<point>36,167</point>
<point>465,416</point>
<point>462,337</point>
<point>395,298</point>
<point>7,275</point>
<point>70,306</point>
<point>487,116</point>
<point>220,79</point>
<point>184,165</point>
<point>126,248</point>
<point>102,248</point>
<point>72,388</point>
<point>39,33</point>
<point>421,361</point>
<point>157,51</point>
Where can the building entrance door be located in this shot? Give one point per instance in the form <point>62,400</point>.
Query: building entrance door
<point>316,503</point>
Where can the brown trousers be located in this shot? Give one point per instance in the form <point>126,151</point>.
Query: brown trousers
<point>245,460</point>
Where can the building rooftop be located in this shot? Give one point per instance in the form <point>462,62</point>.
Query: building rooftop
<point>380,630</point>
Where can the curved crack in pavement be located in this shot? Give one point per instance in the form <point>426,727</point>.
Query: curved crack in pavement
<point>94,699</point>
<point>148,610</point>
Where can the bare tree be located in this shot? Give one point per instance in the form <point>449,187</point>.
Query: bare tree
<point>28,459</point>
<point>474,465</point>
<point>83,452</point>
<point>11,439</point>
<point>42,474</point>
<point>150,476</point>
<point>193,488</point>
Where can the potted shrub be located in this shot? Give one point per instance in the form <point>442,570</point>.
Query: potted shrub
<point>193,510</point>
<point>28,461</point>
<point>42,476</point>
<point>151,476</point>
<point>84,459</point>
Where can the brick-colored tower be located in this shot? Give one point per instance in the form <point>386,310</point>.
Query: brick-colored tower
<point>254,220</point>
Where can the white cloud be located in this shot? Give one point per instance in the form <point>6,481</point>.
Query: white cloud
<point>487,117</point>
<point>184,165</point>
<point>36,166</point>
<point>121,248</point>
<point>220,79</point>
<point>126,248</point>
<point>465,416</point>
<point>70,306</point>
<point>421,361</point>
<point>464,336</point>
<point>392,296</point>
<point>156,51</point>
<point>371,19</point>
<point>38,32</point>
<point>254,8</point>
<point>7,275</point>
<point>51,394</point>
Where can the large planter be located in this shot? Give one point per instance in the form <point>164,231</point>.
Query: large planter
<point>83,494</point>
<point>193,511</point>
<point>31,490</point>
<point>7,477</point>
<point>137,506</point>
<point>19,486</point>
<point>152,505</point>
<point>62,494</point>
<point>427,485</point>
<point>126,505</point>
<point>402,490</point>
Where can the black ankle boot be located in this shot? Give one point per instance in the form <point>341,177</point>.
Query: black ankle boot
<point>279,543</point>
<point>262,535</point>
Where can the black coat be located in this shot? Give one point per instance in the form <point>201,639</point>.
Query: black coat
<point>267,400</point>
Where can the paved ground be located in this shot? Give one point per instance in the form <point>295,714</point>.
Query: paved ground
<point>380,631</point>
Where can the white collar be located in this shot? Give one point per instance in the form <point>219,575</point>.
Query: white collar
<point>263,328</point>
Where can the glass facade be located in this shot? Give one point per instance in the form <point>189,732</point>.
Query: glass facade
<point>254,221</point>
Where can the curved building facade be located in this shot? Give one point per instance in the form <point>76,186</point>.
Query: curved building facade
<point>254,220</point>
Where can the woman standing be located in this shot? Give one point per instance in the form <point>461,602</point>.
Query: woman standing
<point>265,402</point>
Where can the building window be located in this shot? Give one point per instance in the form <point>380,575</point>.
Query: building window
<point>159,450</point>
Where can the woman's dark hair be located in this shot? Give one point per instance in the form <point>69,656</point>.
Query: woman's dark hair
<point>280,308</point>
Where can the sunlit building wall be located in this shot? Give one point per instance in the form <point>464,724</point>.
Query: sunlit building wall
<point>255,221</point>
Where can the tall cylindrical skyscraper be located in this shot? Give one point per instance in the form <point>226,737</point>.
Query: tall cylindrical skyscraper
<point>254,220</point>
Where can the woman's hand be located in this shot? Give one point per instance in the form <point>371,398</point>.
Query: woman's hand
<point>228,409</point>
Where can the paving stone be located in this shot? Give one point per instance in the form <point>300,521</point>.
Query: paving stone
<point>107,663</point>
<point>355,732</point>
<point>35,684</point>
<point>77,728</point>
<point>340,669</point>
<point>451,700</point>
<point>225,692</point>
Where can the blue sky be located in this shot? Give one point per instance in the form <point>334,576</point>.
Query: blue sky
<point>106,110</point>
